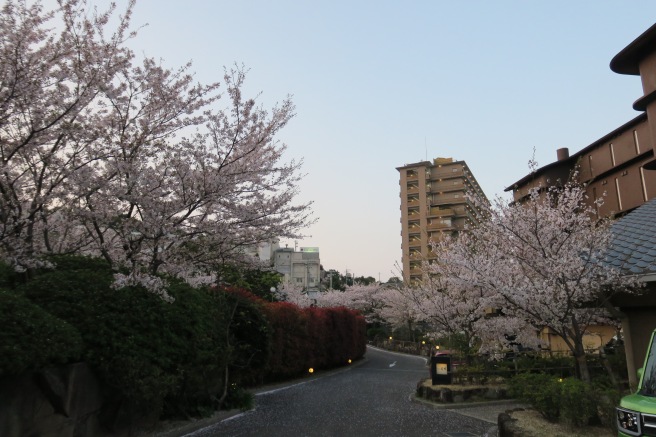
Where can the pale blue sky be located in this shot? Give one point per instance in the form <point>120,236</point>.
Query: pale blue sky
<point>379,84</point>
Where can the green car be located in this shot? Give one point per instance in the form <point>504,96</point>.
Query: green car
<point>636,415</point>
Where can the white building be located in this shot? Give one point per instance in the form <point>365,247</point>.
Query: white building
<point>263,251</point>
<point>300,268</point>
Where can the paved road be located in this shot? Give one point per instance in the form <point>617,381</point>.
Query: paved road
<point>370,399</point>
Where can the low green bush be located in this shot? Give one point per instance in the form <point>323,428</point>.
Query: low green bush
<point>578,402</point>
<point>559,366</point>
<point>570,401</point>
<point>540,390</point>
<point>31,338</point>
<point>607,399</point>
<point>239,398</point>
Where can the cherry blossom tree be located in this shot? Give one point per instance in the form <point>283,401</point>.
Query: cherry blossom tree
<point>128,160</point>
<point>449,306</point>
<point>397,309</point>
<point>540,262</point>
<point>295,294</point>
<point>367,299</point>
<point>48,125</point>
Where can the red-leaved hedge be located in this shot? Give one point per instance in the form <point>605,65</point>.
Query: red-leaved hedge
<point>318,338</point>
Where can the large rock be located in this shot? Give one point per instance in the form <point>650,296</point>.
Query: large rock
<point>58,402</point>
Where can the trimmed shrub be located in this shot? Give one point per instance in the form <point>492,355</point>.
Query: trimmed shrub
<point>320,338</point>
<point>197,351</point>
<point>578,402</point>
<point>569,401</point>
<point>124,331</point>
<point>142,348</point>
<point>607,400</point>
<point>31,338</point>
<point>248,333</point>
<point>239,398</point>
<point>559,366</point>
<point>290,344</point>
<point>540,390</point>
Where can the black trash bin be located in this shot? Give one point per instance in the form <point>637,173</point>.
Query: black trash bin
<point>441,368</point>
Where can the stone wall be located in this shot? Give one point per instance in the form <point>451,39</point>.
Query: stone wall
<point>65,401</point>
<point>458,394</point>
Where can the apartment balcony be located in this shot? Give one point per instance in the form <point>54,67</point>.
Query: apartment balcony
<point>414,256</point>
<point>449,185</point>
<point>440,226</point>
<point>412,176</point>
<point>444,212</point>
<point>413,189</point>
<point>436,175</point>
<point>449,201</point>
<point>413,202</point>
<point>460,211</point>
<point>416,272</point>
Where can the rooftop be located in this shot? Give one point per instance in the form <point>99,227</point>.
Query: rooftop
<point>627,61</point>
<point>633,247</point>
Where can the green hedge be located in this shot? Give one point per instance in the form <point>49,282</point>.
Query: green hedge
<point>147,352</point>
<point>248,335</point>
<point>31,338</point>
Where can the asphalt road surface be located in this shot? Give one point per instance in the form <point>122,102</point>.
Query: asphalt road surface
<point>369,399</point>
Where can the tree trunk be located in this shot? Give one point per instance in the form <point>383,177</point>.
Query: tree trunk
<point>226,384</point>
<point>582,364</point>
<point>609,369</point>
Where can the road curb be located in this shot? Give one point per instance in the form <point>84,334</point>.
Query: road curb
<point>462,405</point>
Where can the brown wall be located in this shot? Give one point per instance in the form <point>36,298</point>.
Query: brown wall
<point>611,168</point>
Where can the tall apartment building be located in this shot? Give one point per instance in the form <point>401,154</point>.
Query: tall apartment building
<point>434,201</point>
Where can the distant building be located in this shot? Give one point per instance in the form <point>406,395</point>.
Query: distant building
<point>300,268</point>
<point>434,201</point>
<point>263,251</point>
